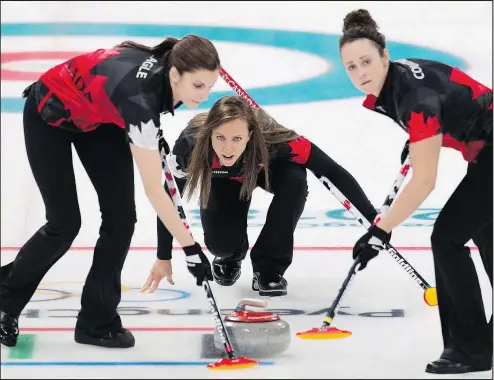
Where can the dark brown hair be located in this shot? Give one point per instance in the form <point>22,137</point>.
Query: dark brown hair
<point>227,109</point>
<point>359,24</point>
<point>187,54</point>
<point>274,133</point>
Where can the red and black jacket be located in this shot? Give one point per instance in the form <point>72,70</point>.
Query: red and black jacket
<point>123,86</point>
<point>300,151</point>
<point>427,98</point>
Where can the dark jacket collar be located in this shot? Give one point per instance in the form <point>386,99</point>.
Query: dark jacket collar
<point>394,89</point>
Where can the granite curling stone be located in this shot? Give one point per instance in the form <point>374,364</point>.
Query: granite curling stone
<point>255,333</point>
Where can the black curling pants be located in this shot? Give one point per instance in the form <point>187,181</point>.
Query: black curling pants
<point>225,219</point>
<point>106,157</point>
<point>467,215</point>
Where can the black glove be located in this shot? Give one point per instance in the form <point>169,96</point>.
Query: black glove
<point>369,245</point>
<point>405,151</point>
<point>197,263</point>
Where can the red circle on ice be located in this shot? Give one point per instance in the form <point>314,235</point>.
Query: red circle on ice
<point>7,74</point>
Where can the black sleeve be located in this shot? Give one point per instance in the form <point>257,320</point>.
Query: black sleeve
<point>178,161</point>
<point>321,164</point>
<point>182,151</point>
<point>304,152</point>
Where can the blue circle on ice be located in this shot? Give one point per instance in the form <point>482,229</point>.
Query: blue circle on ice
<point>161,295</point>
<point>332,84</point>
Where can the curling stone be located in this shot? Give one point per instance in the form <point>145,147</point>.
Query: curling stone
<point>255,333</point>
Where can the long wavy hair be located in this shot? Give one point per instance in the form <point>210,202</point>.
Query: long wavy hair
<point>264,131</point>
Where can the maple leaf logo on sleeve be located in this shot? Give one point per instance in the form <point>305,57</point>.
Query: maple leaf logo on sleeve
<point>145,135</point>
<point>300,150</point>
<point>422,127</point>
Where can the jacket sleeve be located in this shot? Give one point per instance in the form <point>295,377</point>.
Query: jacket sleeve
<point>178,162</point>
<point>314,159</point>
<point>142,122</point>
<point>421,114</point>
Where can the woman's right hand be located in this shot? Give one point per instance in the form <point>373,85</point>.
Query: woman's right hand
<point>160,270</point>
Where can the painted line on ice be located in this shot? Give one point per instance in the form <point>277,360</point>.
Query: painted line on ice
<point>302,248</point>
<point>25,349</point>
<point>86,364</point>
<point>160,329</point>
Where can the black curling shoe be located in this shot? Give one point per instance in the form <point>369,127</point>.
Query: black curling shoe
<point>226,272</point>
<point>9,329</point>
<point>269,284</point>
<point>121,338</point>
<point>450,367</point>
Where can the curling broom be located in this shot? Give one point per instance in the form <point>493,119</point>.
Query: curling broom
<point>232,361</point>
<point>430,294</point>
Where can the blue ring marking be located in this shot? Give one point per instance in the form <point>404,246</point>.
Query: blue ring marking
<point>333,84</point>
<point>86,364</point>
<point>181,295</point>
<point>64,295</point>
